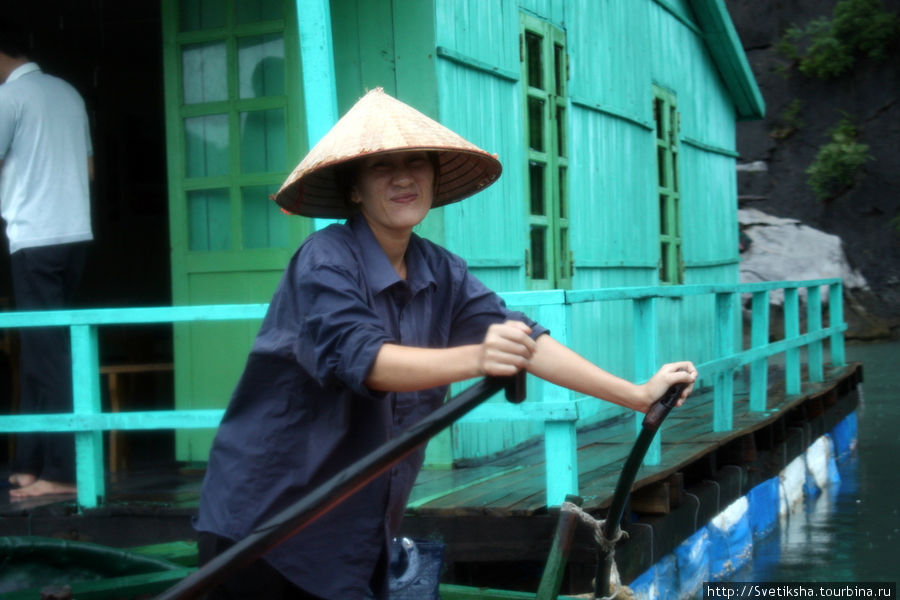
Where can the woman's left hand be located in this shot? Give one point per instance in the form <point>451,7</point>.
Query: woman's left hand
<point>667,376</point>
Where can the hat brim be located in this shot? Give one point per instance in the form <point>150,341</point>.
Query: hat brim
<point>318,194</point>
<point>380,124</point>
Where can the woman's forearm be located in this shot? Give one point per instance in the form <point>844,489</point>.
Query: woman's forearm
<point>405,368</point>
<point>558,364</point>
<point>400,368</point>
<point>505,350</point>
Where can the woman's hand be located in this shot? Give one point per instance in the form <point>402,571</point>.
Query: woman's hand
<point>667,376</point>
<point>507,349</point>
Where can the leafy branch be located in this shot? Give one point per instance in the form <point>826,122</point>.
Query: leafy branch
<point>838,163</point>
<point>829,47</point>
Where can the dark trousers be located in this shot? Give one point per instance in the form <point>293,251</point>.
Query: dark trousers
<point>258,580</point>
<point>45,278</point>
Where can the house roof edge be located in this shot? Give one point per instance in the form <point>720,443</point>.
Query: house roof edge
<point>725,47</point>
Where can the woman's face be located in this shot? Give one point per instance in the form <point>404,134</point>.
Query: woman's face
<point>394,191</point>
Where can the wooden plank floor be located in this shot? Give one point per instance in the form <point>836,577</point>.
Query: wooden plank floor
<point>165,490</point>
<point>514,484</point>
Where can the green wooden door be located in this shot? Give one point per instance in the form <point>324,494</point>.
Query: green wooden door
<point>234,130</point>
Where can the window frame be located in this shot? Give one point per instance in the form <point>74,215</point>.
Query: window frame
<point>233,181</point>
<point>667,124</point>
<point>549,261</point>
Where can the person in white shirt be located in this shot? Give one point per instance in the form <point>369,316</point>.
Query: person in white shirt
<point>46,163</point>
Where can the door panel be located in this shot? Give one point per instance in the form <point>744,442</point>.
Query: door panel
<point>235,128</point>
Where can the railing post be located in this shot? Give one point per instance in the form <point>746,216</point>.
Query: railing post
<point>317,58</point>
<point>835,318</point>
<point>646,345</point>
<point>560,436</point>
<point>792,383</point>
<point>89,473</point>
<point>759,338</point>
<point>723,388</point>
<point>814,325</point>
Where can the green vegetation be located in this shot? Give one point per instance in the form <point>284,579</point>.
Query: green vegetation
<point>838,164</point>
<point>788,121</point>
<point>829,47</point>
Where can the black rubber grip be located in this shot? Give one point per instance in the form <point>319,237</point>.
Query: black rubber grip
<point>660,409</point>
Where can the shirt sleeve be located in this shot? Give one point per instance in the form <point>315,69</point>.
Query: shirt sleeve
<point>7,125</point>
<point>339,335</point>
<point>477,308</point>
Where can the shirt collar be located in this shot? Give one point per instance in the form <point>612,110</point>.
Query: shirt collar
<point>419,273</point>
<point>25,69</point>
<point>379,271</point>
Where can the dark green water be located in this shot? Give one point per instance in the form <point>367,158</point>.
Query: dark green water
<point>849,534</point>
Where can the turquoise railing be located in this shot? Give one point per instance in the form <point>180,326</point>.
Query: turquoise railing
<point>87,421</point>
<point>561,414</point>
<point>556,409</point>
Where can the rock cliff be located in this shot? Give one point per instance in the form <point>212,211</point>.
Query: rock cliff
<point>801,110</point>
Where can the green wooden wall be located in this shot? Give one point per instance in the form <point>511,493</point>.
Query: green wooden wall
<point>369,53</point>
<point>617,51</point>
<point>477,45</point>
<point>459,61</point>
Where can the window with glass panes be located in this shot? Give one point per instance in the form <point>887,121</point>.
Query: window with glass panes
<point>666,117</point>
<point>232,108</point>
<point>544,78</point>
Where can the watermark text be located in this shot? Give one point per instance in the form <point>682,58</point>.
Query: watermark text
<point>790,589</point>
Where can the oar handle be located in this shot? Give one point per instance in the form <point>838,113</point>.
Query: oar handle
<point>659,410</point>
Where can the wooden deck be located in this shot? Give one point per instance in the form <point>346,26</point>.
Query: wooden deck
<point>495,512</point>
<point>513,485</point>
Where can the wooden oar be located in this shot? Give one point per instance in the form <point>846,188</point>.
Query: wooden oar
<point>652,420</point>
<point>334,491</point>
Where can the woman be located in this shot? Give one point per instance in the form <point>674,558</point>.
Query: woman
<point>368,327</point>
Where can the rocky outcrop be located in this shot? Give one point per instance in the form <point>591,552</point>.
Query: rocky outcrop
<point>783,249</point>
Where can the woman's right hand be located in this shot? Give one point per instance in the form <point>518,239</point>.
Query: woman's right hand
<point>507,349</point>
<point>679,372</point>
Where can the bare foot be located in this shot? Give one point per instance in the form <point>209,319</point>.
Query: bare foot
<point>22,479</point>
<point>42,487</point>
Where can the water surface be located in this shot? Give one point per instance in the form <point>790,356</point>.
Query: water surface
<point>852,533</point>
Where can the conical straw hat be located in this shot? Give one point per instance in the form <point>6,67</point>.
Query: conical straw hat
<point>379,123</point>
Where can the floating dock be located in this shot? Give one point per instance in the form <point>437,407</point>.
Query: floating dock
<point>493,516</point>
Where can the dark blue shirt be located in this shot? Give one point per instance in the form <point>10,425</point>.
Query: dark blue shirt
<point>301,411</point>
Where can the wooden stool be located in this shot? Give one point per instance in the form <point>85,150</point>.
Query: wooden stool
<point>117,452</point>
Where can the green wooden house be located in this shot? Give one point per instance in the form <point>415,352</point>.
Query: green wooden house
<point>614,121</point>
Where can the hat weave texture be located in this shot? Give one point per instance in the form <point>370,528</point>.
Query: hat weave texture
<point>379,123</point>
